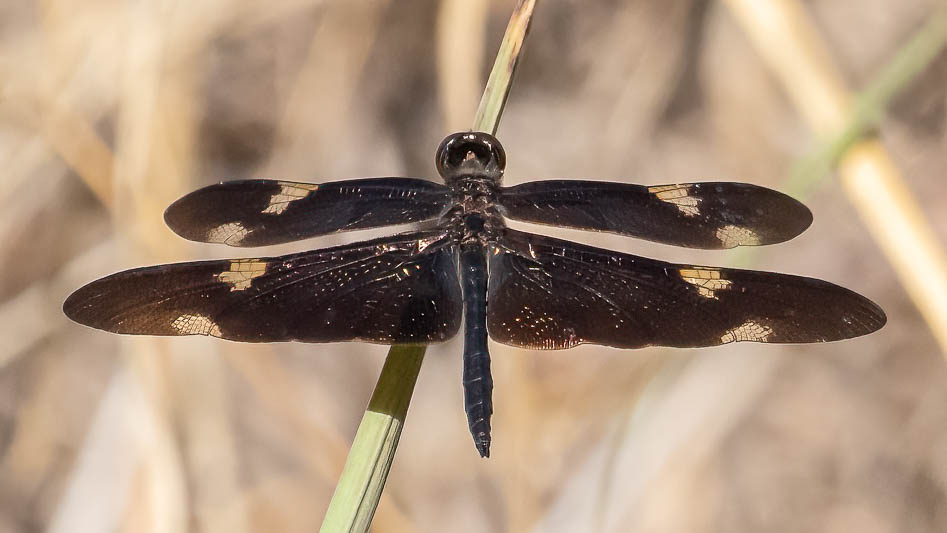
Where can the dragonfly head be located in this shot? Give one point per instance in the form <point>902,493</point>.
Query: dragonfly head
<point>471,153</point>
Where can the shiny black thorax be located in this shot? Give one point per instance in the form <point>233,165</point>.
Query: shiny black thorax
<point>472,164</point>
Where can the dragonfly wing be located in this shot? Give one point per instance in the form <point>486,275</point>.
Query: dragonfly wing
<point>393,290</point>
<point>263,212</point>
<point>547,293</point>
<point>695,215</point>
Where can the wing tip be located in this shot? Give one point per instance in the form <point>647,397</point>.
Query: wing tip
<point>192,218</point>
<point>879,315</point>
<point>179,217</point>
<point>81,308</point>
<point>800,218</point>
<point>784,219</point>
<point>77,308</point>
<point>791,218</point>
<point>70,307</point>
<point>77,304</point>
<point>175,218</point>
<point>870,318</point>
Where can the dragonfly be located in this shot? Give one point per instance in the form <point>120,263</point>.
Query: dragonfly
<point>462,266</point>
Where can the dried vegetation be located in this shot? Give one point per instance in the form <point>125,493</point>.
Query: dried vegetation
<point>111,110</point>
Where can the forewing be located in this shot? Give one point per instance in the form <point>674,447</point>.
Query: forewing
<point>399,289</point>
<point>262,212</point>
<point>696,215</point>
<point>547,293</point>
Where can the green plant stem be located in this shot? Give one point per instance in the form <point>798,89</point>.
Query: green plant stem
<point>501,77</point>
<point>366,469</point>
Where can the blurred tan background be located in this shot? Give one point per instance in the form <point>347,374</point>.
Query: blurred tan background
<point>111,110</point>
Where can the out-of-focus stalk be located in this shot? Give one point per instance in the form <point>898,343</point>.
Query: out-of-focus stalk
<point>788,42</point>
<point>501,77</point>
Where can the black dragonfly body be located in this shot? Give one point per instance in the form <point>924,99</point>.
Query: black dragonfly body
<point>517,288</point>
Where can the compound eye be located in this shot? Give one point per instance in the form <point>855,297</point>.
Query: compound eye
<point>498,155</point>
<point>470,152</point>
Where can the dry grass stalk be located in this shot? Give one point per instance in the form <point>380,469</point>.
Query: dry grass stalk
<point>786,38</point>
<point>321,101</point>
<point>560,419</point>
<point>461,27</point>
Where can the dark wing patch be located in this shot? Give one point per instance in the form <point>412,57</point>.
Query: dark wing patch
<point>547,293</point>
<point>393,290</point>
<point>263,212</point>
<point>696,215</point>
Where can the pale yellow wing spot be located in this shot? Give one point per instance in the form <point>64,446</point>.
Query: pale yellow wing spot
<point>242,272</point>
<point>707,281</point>
<point>679,195</point>
<point>289,192</point>
<point>731,236</point>
<point>229,233</point>
<point>749,331</point>
<point>195,325</point>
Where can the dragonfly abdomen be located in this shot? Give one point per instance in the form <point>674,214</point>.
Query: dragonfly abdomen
<point>478,382</point>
